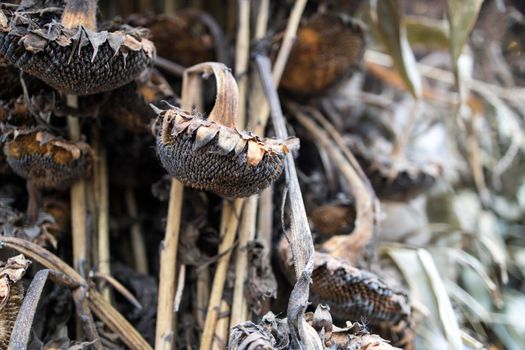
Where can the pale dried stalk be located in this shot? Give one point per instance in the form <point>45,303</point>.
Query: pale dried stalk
<point>242,51</point>
<point>203,295</point>
<point>261,109</point>
<point>229,225</point>
<point>78,198</point>
<point>180,287</point>
<point>246,234</point>
<point>168,261</point>
<point>102,195</point>
<point>137,239</point>
<point>221,330</point>
<point>288,40</point>
<point>262,19</point>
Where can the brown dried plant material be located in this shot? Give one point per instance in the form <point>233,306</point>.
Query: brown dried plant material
<point>333,219</point>
<point>48,225</point>
<point>212,154</point>
<point>71,57</point>
<point>45,160</point>
<point>11,295</point>
<point>184,38</point>
<point>328,48</point>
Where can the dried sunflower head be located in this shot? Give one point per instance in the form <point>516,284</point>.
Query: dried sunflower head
<point>71,56</point>
<point>45,160</point>
<point>328,48</point>
<point>211,154</point>
<point>186,37</point>
<point>133,111</point>
<point>207,155</point>
<point>395,178</point>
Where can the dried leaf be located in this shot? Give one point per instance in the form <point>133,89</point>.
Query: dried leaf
<point>10,273</point>
<point>427,32</point>
<point>462,15</point>
<point>390,29</point>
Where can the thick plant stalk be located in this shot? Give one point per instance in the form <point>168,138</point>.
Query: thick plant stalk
<point>221,333</point>
<point>102,194</point>
<point>288,41</point>
<point>262,19</point>
<point>203,295</point>
<point>242,50</point>
<point>246,234</point>
<point>260,110</point>
<point>168,261</point>
<point>137,240</point>
<point>230,223</point>
<point>78,198</point>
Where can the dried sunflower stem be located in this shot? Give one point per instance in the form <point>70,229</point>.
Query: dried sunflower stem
<point>242,50</point>
<point>203,295</point>
<point>137,239</point>
<point>229,224</point>
<point>221,330</point>
<point>102,199</point>
<point>246,234</point>
<point>262,19</point>
<point>78,198</point>
<point>168,263</point>
<point>261,109</point>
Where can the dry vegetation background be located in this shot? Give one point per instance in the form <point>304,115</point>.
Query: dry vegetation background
<point>410,116</point>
